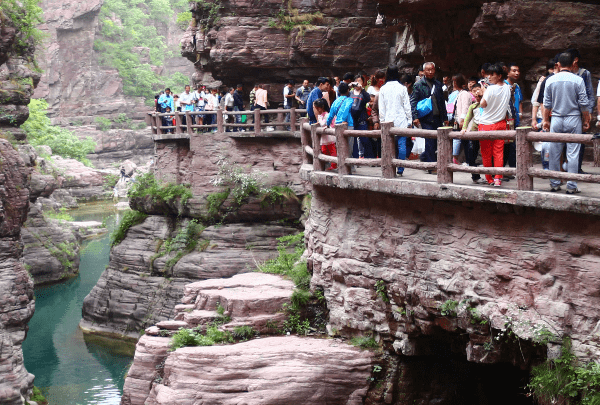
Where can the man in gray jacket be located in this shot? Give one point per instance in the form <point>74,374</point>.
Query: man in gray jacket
<point>566,100</point>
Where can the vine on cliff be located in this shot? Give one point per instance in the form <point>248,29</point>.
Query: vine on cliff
<point>289,18</point>
<point>130,218</point>
<point>147,186</point>
<point>25,16</point>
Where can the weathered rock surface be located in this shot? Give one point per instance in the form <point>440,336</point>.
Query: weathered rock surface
<point>51,247</point>
<point>274,370</point>
<point>138,290</point>
<point>530,271</point>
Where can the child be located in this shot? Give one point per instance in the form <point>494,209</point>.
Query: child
<point>471,123</point>
<point>169,120</point>
<point>321,110</point>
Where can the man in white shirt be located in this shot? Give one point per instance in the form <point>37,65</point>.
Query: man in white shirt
<point>288,99</point>
<point>394,105</point>
<point>200,97</point>
<point>186,100</point>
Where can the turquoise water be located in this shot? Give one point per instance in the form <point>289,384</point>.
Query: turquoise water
<point>71,368</point>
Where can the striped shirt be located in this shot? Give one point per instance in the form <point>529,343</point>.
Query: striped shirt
<point>565,94</point>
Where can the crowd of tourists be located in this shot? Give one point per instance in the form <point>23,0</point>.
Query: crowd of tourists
<point>563,102</point>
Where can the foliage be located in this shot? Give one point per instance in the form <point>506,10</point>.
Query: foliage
<point>364,342</point>
<point>240,186</point>
<point>130,218</point>
<point>243,332</point>
<point>127,28</point>
<point>476,317</point>
<point>25,15</point>
<point>61,215</point>
<point>183,19</point>
<point>38,397</point>
<point>194,337</point>
<point>295,324</point>
<point>62,141</point>
<point>103,123</point>
<point>448,308</point>
<point>381,290</point>
<point>147,185</point>
<point>110,180</point>
<point>209,12</point>
<point>289,18</point>
<point>564,381</point>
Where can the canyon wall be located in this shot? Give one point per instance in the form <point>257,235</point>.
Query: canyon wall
<point>17,79</point>
<point>245,44</point>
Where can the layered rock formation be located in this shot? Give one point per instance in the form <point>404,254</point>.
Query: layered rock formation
<point>16,295</point>
<point>403,267</point>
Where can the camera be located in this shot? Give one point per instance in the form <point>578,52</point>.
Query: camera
<point>354,84</point>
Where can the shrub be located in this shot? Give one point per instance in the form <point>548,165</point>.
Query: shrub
<point>381,290</point>
<point>103,123</point>
<point>364,342</point>
<point>183,19</point>
<point>130,218</point>
<point>25,15</point>
<point>147,185</point>
<point>243,332</point>
<point>448,308</point>
<point>64,143</point>
<point>38,397</point>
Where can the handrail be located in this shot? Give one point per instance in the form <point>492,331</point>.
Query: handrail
<point>155,121</point>
<point>523,137</point>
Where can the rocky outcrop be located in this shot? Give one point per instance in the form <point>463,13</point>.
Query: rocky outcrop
<point>51,247</point>
<point>278,370</point>
<point>412,270</point>
<point>142,287</point>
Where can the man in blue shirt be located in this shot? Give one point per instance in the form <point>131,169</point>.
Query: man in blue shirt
<point>510,151</point>
<point>340,109</point>
<point>323,84</point>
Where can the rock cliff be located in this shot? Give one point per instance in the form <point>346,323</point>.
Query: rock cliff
<point>16,295</point>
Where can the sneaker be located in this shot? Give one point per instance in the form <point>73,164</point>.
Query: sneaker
<point>361,157</point>
<point>506,178</point>
<point>455,161</point>
<point>399,172</point>
<point>480,181</point>
<point>497,183</point>
<point>554,189</point>
<point>573,191</point>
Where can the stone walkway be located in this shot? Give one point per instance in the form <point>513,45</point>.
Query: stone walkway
<point>589,190</point>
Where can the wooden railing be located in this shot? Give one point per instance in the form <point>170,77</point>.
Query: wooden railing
<point>523,137</point>
<point>155,121</point>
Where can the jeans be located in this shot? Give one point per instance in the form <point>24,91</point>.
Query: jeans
<point>429,155</point>
<point>229,118</point>
<point>565,125</point>
<point>238,118</point>
<point>545,152</point>
<point>287,116</point>
<point>471,152</point>
<point>401,142</point>
<point>510,154</point>
<point>260,107</point>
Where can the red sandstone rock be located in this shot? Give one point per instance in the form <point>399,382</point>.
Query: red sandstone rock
<point>276,370</point>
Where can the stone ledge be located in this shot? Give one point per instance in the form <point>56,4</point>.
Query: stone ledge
<point>454,192</point>
<point>265,134</point>
<point>170,137</point>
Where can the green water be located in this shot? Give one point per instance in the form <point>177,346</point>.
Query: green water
<point>69,368</point>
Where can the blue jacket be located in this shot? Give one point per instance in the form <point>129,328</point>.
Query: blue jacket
<point>165,101</point>
<point>340,109</point>
<point>314,95</point>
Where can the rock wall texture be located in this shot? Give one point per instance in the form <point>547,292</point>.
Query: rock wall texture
<point>532,272</point>
<point>73,82</point>
<point>245,45</point>
<point>17,80</point>
<point>138,289</point>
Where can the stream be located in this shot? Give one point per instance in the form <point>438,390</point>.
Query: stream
<point>70,368</point>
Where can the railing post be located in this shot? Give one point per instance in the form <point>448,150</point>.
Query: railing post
<point>342,149</point>
<point>158,122</point>
<point>177,122</point>
<point>444,154</point>
<point>280,115</point>
<point>293,119</point>
<point>257,121</point>
<point>524,159</point>
<point>317,164</point>
<point>596,143</point>
<point>306,140</point>
<point>220,128</point>
<point>150,122</point>
<point>387,151</point>
<point>188,122</point>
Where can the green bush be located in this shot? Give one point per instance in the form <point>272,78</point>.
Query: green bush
<point>243,332</point>
<point>565,381</point>
<point>190,337</point>
<point>103,123</point>
<point>130,218</point>
<point>183,19</point>
<point>448,308</point>
<point>364,342</point>
<point>147,185</point>
<point>25,15</point>
<point>38,397</point>
<point>63,142</point>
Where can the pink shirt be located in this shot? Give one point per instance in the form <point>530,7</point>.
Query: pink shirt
<point>261,97</point>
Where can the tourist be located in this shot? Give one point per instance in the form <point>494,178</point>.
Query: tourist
<point>516,108</point>
<point>459,112</point>
<point>348,77</point>
<point>394,106</point>
<point>495,103</point>
<point>186,100</point>
<point>408,81</point>
<point>168,120</point>
<point>331,93</point>
<point>429,87</point>
<point>420,73</point>
<point>377,80</point>
<point>566,98</point>
<point>360,98</point>
<point>447,87</point>
<point>340,109</point>
<point>212,103</point>
<point>470,124</point>
<point>302,95</point>
<point>229,104</point>
<point>323,84</point>
<point>165,100</point>
<point>483,75</point>
<point>536,110</point>
<point>336,80</point>
<point>253,97</point>
<point>589,90</point>
<point>200,97</point>
<point>288,99</point>
<point>262,102</point>
<point>321,111</point>
<point>238,105</point>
